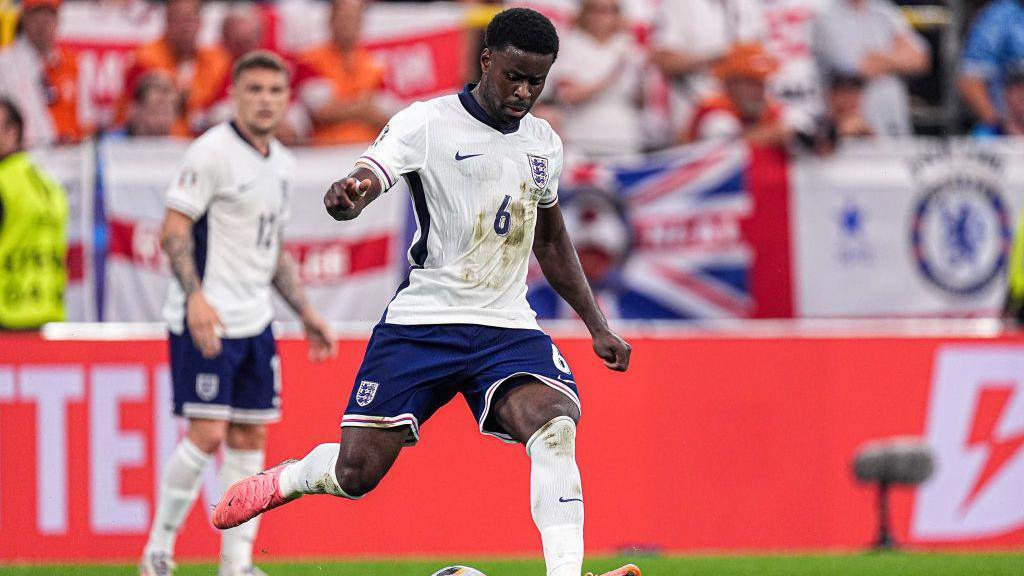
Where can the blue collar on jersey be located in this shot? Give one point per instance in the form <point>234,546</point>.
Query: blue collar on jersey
<point>247,141</point>
<point>477,111</point>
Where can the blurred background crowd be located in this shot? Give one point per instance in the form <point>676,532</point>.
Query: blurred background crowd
<point>633,75</point>
<point>780,84</point>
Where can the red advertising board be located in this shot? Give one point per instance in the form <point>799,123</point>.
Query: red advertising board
<point>709,442</point>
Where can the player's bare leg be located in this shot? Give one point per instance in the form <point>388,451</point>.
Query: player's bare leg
<point>349,469</point>
<point>179,486</point>
<point>544,420</point>
<point>243,457</point>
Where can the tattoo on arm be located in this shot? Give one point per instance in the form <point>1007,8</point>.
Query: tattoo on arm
<point>179,250</point>
<point>286,282</point>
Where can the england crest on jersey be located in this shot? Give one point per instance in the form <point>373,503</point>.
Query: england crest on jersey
<point>367,390</point>
<point>539,170</point>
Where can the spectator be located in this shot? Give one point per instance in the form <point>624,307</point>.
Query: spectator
<point>154,106</point>
<point>338,82</point>
<point>871,38</point>
<point>1012,123</point>
<point>843,118</point>
<point>743,109</point>
<point>995,44</point>
<point>690,36</point>
<point>197,72</point>
<point>598,81</point>
<point>845,106</point>
<point>42,77</point>
<point>33,242</point>
<point>241,32</point>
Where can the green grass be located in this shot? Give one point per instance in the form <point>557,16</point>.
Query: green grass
<point>893,564</point>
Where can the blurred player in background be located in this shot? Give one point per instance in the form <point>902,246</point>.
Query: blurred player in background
<point>484,179</point>
<point>222,236</point>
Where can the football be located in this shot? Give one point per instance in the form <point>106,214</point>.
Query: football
<point>458,571</point>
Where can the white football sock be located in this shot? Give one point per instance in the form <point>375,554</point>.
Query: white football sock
<point>556,495</point>
<point>236,543</point>
<point>314,474</point>
<point>179,487</point>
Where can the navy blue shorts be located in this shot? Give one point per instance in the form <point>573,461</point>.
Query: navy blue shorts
<point>409,372</point>
<point>242,384</point>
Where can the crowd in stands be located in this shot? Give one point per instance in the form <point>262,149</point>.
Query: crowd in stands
<point>775,72</point>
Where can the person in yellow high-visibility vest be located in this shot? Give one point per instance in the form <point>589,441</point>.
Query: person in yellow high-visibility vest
<point>33,239</point>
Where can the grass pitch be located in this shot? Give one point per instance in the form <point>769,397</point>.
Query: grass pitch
<point>889,564</point>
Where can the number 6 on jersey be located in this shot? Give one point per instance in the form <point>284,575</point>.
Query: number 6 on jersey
<point>503,219</point>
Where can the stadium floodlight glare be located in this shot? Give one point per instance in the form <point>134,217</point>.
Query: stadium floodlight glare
<point>892,462</point>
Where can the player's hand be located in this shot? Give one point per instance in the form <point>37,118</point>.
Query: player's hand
<point>612,349</point>
<point>322,344</point>
<point>340,199</point>
<point>204,325</point>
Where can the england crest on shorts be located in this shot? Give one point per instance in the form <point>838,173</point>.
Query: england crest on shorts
<point>539,170</point>
<point>207,386</point>
<point>367,390</point>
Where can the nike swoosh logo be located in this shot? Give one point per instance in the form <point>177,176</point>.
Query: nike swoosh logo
<point>560,379</point>
<point>245,187</point>
<point>564,500</point>
<point>460,158</point>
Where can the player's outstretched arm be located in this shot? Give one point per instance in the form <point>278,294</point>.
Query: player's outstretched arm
<point>201,318</point>
<point>346,198</point>
<point>557,256</point>
<point>322,344</point>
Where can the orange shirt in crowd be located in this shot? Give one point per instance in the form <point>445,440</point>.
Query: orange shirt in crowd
<point>324,74</point>
<point>719,106</point>
<point>200,79</point>
<point>61,74</point>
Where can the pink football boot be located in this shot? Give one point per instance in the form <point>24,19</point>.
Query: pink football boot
<point>247,499</point>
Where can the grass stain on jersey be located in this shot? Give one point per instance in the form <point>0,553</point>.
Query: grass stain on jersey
<point>492,258</point>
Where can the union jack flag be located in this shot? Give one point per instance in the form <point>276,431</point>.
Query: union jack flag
<point>686,256</point>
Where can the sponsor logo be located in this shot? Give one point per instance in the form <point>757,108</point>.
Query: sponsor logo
<point>207,386</point>
<point>976,428</point>
<point>960,232</point>
<point>367,390</point>
<point>460,158</point>
<point>539,170</point>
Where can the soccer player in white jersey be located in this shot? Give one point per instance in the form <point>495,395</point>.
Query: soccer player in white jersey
<point>483,174</point>
<point>222,236</point>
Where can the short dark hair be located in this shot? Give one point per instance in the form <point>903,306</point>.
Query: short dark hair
<point>522,28</point>
<point>259,60</point>
<point>13,116</point>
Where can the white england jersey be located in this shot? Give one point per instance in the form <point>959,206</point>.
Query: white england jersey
<point>476,188</point>
<point>238,199</point>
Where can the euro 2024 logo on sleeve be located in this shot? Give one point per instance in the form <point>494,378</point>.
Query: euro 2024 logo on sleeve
<point>960,229</point>
<point>976,428</point>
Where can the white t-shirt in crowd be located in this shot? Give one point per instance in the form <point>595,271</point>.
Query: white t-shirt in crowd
<point>704,28</point>
<point>609,123</point>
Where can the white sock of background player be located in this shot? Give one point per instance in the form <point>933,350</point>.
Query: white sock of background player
<point>236,543</point>
<point>556,495</point>
<point>314,474</point>
<point>179,487</point>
